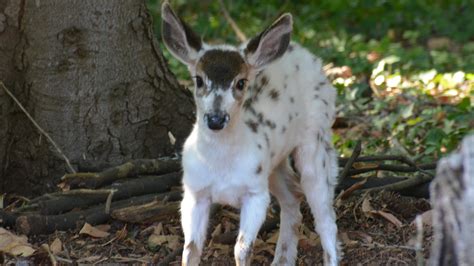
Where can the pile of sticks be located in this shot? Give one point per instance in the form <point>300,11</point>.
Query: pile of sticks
<point>149,190</point>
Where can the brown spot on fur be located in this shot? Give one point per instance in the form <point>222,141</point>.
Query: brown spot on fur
<point>263,81</point>
<point>252,125</point>
<point>270,124</point>
<point>324,101</point>
<point>217,103</point>
<point>248,103</point>
<point>267,139</point>
<point>283,129</point>
<point>290,117</point>
<point>260,117</point>
<point>272,154</point>
<point>284,247</point>
<point>221,66</point>
<point>317,88</point>
<point>292,100</point>
<point>274,94</point>
<point>259,146</point>
<point>259,169</point>
<point>321,83</point>
<point>297,67</point>
<point>316,96</point>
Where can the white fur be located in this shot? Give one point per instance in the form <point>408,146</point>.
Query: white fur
<point>222,166</point>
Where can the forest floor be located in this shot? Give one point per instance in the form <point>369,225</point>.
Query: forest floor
<point>376,229</point>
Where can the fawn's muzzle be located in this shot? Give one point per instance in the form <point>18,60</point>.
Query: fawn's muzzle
<point>216,121</point>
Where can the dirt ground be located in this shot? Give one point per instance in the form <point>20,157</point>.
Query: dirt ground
<point>375,229</point>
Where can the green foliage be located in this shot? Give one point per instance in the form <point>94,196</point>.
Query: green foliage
<point>411,84</point>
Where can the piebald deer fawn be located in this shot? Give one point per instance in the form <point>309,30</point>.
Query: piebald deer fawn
<point>257,104</point>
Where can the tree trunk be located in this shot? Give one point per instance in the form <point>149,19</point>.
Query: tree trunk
<point>452,195</point>
<point>92,75</point>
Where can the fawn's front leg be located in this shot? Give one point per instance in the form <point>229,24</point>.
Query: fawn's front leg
<point>194,219</point>
<point>252,216</point>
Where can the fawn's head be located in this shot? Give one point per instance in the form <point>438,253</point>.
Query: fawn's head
<point>222,73</point>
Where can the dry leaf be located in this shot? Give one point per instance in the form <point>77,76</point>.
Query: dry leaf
<point>273,239</point>
<point>90,259</point>
<point>346,240</point>
<point>171,241</point>
<point>92,231</point>
<point>373,56</point>
<point>230,214</point>
<point>367,208</point>
<point>122,234</point>
<point>103,227</point>
<point>217,231</point>
<point>14,245</point>
<point>364,237</point>
<point>56,246</point>
<point>390,217</point>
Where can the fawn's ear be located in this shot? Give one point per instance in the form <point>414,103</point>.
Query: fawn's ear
<point>271,44</point>
<point>178,37</point>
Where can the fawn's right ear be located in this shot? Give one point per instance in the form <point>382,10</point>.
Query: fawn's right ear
<point>178,37</point>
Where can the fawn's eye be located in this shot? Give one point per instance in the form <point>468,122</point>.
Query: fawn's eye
<point>199,81</point>
<point>240,84</point>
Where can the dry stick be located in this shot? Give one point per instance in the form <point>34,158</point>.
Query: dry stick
<point>394,168</point>
<point>400,158</point>
<point>232,23</point>
<point>407,183</point>
<point>38,127</point>
<point>355,154</point>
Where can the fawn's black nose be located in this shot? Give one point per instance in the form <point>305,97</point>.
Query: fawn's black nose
<point>216,121</point>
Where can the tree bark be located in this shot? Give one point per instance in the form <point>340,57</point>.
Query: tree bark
<point>92,76</point>
<point>452,195</point>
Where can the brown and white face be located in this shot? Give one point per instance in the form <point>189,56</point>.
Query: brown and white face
<point>222,73</point>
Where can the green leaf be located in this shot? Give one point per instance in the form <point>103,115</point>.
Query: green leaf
<point>408,111</point>
<point>414,121</point>
<point>465,104</point>
<point>435,136</point>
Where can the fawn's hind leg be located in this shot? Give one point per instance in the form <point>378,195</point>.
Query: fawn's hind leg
<point>285,187</point>
<point>317,165</point>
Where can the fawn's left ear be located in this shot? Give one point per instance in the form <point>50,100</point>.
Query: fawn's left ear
<point>271,44</point>
<point>178,37</point>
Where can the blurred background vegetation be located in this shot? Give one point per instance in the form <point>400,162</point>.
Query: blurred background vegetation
<point>404,69</point>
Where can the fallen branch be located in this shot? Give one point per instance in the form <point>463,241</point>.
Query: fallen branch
<point>41,130</point>
<point>401,185</point>
<point>59,202</point>
<point>34,224</point>
<point>393,168</point>
<point>129,169</point>
<point>412,188</point>
<point>348,166</point>
<point>152,211</point>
